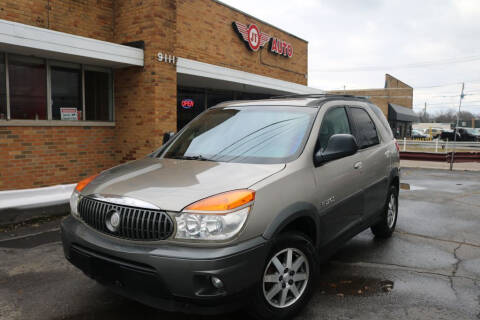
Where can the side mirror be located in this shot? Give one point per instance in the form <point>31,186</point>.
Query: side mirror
<point>338,146</point>
<point>167,136</point>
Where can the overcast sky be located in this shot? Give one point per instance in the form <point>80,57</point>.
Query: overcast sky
<point>432,45</point>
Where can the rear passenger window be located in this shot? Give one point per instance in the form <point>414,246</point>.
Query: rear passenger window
<point>334,122</point>
<point>382,119</point>
<point>365,131</point>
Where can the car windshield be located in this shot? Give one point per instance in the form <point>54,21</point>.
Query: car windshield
<point>244,134</point>
<point>470,130</point>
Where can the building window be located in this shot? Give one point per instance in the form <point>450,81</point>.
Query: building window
<point>27,88</point>
<point>3,89</point>
<point>97,95</point>
<point>41,89</point>
<point>66,93</point>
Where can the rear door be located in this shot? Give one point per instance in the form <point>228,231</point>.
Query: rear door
<point>338,182</point>
<point>375,158</point>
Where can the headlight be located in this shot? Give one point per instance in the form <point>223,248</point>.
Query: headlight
<point>210,227</point>
<point>219,217</point>
<point>75,197</point>
<point>74,200</point>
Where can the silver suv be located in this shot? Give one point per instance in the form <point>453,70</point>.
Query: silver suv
<point>240,206</point>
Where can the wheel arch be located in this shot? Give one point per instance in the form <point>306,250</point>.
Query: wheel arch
<point>301,217</point>
<point>395,178</point>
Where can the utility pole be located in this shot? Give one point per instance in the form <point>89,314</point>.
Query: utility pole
<point>456,126</point>
<point>425,111</point>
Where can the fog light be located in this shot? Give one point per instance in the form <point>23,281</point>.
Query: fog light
<point>216,282</point>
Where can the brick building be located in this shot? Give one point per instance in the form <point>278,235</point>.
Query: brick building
<point>396,102</point>
<point>88,84</point>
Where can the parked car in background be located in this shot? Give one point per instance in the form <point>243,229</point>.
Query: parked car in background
<point>477,132</point>
<point>433,133</point>
<point>417,134</point>
<point>240,206</point>
<point>463,134</point>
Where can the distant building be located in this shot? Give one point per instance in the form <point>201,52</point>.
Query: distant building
<point>472,123</point>
<point>396,102</point>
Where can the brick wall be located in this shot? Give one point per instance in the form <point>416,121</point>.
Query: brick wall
<point>145,98</point>
<point>206,34</point>
<point>41,156</point>
<point>87,18</point>
<point>395,91</point>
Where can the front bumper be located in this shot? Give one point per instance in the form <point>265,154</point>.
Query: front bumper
<point>166,276</point>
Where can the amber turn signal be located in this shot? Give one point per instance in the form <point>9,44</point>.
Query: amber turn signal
<point>82,184</point>
<point>224,201</point>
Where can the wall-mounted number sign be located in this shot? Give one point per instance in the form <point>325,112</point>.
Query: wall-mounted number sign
<point>167,58</point>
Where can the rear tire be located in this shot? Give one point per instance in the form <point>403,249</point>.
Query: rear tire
<point>287,278</point>
<point>386,226</point>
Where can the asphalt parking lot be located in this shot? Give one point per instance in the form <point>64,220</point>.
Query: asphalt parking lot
<point>429,269</point>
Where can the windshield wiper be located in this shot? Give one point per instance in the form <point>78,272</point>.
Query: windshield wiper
<point>195,157</point>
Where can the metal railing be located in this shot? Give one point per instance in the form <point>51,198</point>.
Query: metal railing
<point>436,145</point>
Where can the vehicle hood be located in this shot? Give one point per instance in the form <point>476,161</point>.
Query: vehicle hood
<point>173,184</point>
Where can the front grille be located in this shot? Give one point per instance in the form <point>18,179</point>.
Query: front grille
<point>135,223</point>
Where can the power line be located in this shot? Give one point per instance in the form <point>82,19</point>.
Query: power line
<point>412,87</point>
<point>446,106</point>
<point>424,64</point>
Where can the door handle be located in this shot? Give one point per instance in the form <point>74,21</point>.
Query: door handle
<point>357,165</point>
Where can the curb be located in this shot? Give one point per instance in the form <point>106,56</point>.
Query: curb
<point>10,216</point>
<point>17,206</point>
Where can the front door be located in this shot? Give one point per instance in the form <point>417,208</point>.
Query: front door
<point>375,159</point>
<point>338,182</point>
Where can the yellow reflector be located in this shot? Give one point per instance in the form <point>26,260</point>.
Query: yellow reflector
<point>223,201</point>
<point>82,184</point>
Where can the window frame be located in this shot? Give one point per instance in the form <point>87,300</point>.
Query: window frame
<point>353,125</point>
<point>49,63</point>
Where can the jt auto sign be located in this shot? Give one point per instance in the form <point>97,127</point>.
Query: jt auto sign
<point>257,39</point>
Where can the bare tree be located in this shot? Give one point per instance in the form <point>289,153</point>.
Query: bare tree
<point>424,117</point>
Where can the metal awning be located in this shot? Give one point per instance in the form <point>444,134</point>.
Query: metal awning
<point>400,113</point>
<point>201,74</point>
<point>29,40</point>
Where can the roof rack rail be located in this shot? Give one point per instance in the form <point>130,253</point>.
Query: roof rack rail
<point>318,95</point>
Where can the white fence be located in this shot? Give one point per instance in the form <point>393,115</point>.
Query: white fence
<point>437,145</point>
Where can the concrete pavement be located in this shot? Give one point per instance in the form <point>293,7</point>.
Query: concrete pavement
<point>429,269</point>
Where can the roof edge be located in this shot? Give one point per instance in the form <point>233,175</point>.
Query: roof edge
<point>262,21</point>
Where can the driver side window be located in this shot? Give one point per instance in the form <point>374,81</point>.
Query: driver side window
<point>335,121</point>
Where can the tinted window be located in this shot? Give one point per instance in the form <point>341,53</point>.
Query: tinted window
<point>66,93</point>
<point>365,131</point>
<point>190,103</point>
<point>382,119</point>
<point>28,88</point>
<point>97,95</point>
<point>3,95</point>
<point>334,122</point>
<point>245,134</point>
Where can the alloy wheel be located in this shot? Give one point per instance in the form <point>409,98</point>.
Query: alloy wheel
<point>285,278</point>
<point>392,211</point>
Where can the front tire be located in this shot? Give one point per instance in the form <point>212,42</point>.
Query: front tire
<point>386,226</point>
<point>287,278</point>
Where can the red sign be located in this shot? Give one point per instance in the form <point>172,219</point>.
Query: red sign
<point>187,103</point>
<point>281,47</point>
<point>257,39</point>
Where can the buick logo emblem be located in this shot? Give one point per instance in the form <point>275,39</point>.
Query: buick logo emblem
<point>113,220</point>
